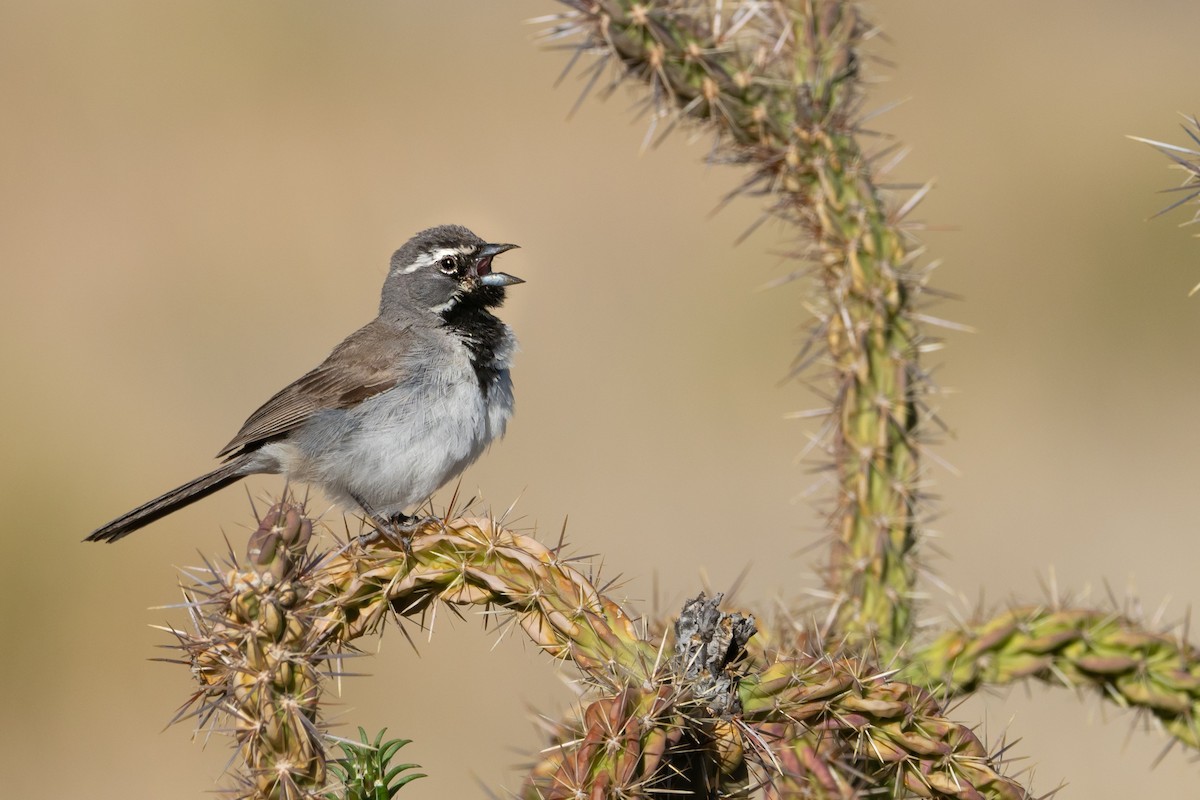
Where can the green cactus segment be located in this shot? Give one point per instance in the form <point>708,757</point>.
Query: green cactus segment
<point>872,342</point>
<point>264,629</point>
<point>476,562</point>
<point>779,83</point>
<point>1127,664</point>
<point>839,726</point>
<point>809,728</point>
<point>636,743</point>
<point>800,727</point>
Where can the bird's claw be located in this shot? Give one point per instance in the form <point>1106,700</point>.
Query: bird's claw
<point>405,526</point>
<point>397,528</point>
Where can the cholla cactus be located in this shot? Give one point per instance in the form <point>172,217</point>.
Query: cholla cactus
<point>707,705</point>
<point>777,83</point>
<point>719,721</point>
<point>714,718</point>
<point>263,628</point>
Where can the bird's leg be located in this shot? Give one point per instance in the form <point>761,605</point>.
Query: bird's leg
<point>382,525</point>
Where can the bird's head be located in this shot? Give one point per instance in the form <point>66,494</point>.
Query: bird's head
<point>442,267</point>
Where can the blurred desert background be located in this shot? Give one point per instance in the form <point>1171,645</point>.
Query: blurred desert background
<point>199,198</point>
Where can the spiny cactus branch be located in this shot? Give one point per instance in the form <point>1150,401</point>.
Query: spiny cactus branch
<point>476,562</point>
<point>1127,664</point>
<point>257,657</point>
<point>777,82</point>
<point>693,710</point>
<point>805,727</point>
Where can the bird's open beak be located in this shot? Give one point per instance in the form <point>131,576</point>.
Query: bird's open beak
<point>483,266</point>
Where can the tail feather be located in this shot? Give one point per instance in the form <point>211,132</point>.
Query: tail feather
<point>167,503</point>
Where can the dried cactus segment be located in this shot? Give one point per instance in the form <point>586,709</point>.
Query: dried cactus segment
<point>710,645</point>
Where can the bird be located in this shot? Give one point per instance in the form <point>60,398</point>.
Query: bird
<point>399,408</point>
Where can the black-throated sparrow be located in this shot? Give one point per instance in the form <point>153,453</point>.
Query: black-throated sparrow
<point>399,408</point>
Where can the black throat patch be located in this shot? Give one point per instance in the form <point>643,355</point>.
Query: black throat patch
<point>480,330</point>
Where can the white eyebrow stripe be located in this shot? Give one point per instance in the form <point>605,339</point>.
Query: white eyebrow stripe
<point>428,259</point>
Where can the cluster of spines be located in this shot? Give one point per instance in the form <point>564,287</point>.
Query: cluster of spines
<point>255,656</point>
<point>1187,159</point>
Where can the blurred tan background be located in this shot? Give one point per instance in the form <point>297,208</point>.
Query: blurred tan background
<point>199,199</point>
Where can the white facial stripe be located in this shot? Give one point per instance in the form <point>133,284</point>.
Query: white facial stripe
<point>442,308</point>
<point>429,259</point>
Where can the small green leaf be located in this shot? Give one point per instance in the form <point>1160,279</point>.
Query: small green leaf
<point>365,771</point>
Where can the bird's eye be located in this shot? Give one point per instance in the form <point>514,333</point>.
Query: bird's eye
<point>448,265</point>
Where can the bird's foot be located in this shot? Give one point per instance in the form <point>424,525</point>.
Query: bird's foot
<point>405,526</point>
<point>398,528</point>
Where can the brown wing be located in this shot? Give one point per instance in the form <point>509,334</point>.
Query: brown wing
<point>366,363</point>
